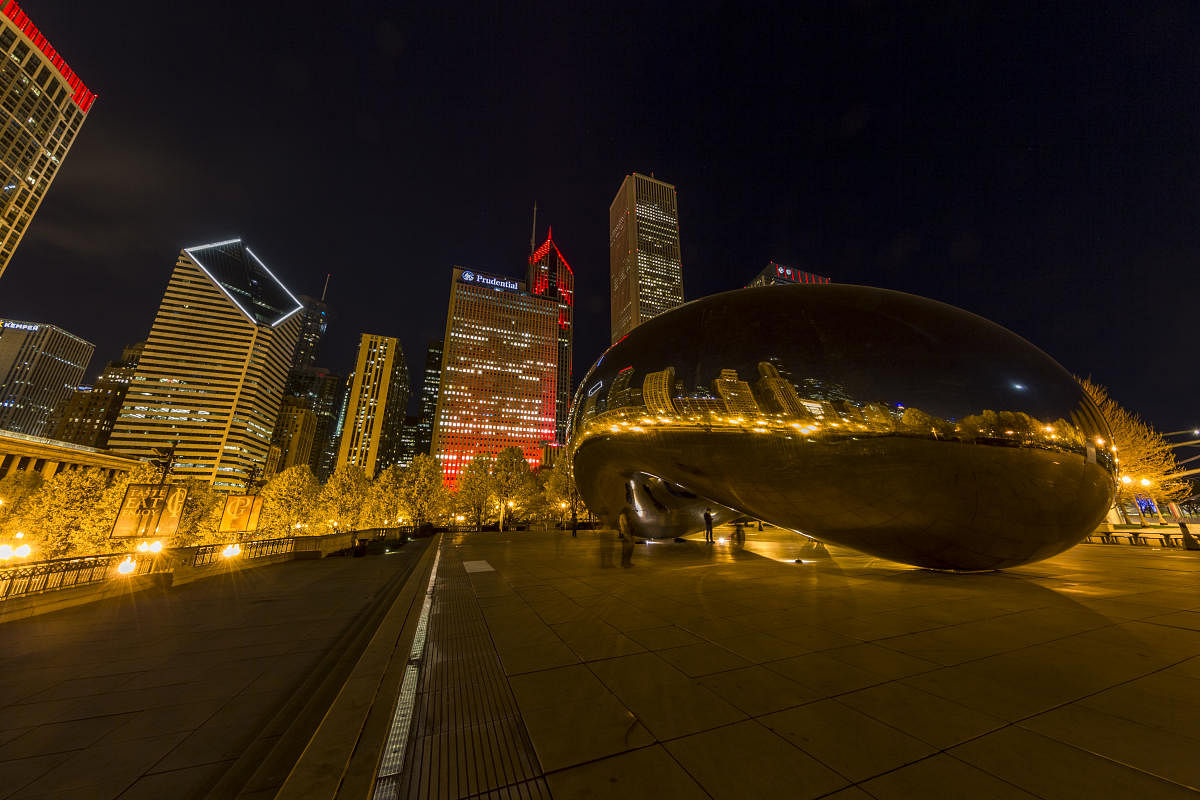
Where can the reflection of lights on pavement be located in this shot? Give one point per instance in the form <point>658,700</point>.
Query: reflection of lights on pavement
<point>231,550</point>
<point>721,540</point>
<point>127,566</point>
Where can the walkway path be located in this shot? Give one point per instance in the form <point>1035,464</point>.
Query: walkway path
<point>683,670</point>
<point>184,692</point>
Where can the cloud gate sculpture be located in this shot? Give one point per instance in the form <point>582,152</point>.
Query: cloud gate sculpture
<point>889,423</point>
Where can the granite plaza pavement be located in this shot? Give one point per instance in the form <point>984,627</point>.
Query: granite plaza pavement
<point>667,670</point>
<point>593,668</point>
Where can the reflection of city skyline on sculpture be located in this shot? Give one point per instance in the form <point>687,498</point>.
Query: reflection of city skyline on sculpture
<point>886,422</point>
<point>814,408</point>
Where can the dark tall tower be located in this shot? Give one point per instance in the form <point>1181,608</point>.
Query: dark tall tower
<point>430,382</point>
<point>314,319</point>
<point>551,277</point>
<point>321,391</point>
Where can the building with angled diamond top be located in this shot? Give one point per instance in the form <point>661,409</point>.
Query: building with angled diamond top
<point>214,367</point>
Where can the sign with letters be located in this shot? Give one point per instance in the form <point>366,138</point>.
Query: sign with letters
<point>149,511</point>
<point>241,513</point>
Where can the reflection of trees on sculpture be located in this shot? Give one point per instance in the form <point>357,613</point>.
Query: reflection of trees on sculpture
<point>814,409</point>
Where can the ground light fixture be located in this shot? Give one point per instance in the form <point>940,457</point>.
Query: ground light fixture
<point>127,566</point>
<point>231,550</point>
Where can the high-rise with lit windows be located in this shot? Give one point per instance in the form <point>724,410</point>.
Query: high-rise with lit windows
<point>499,372</point>
<point>646,276</point>
<point>43,103</point>
<point>40,366</point>
<point>431,382</point>
<point>550,276</point>
<point>372,431</point>
<point>213,371</point>
<point>88,416</point>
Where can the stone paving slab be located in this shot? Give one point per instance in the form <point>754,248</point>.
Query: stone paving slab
<point>157,694</point>
<point>783,669</point>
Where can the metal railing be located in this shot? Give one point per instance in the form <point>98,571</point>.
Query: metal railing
<point>66,573</point>
<point>255,548</point>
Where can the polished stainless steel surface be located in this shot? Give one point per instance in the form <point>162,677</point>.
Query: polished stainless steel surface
<point>882,421</point>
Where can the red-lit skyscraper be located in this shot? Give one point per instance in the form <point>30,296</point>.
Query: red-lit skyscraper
<point>778,275</point>
<point>43,103</point>
<point>550,276</point>
<point>499,372</point>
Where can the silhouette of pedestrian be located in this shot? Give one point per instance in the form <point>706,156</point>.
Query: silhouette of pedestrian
<point>708,534</point>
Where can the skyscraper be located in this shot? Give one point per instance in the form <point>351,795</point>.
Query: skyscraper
<point>314,319</point>
<point>40,366</point>
<point>310,387</point>
<point>551,276</point>
<point>322,392</point>
<point>431,383</point>
<point>371,434</point>
<point>643,245</point>
<point>295,430</point>
<point>44,104</point>
<point>213,372</point>
<point>87,417</point>
<point>778,275</point>
<point>499,372</point>
<point>735,392</point>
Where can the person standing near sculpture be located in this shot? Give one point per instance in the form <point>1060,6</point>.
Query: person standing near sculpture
<point>708,533</point>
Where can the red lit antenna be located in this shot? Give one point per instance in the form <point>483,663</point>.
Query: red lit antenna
<point>533,232</point>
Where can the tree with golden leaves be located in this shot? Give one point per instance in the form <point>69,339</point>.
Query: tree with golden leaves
<point>1145,461</point>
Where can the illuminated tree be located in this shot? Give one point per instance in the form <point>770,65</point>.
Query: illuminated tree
<point>512,480</point>
<point>14,489</point>
<point>561,492</point>
<point>1145,461</point>
<point>476,489</point>
<point>342,497</point>
<point>201,519</point>
<point>289,500</point>
<point>385,501</point>
<point>63,517</point>
<point>422,490</point>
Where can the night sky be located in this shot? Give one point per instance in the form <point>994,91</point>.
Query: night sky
<point>1038,167</point>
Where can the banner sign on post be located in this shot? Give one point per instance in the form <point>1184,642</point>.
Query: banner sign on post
<point>149,510</point>
<point>241,513</point>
